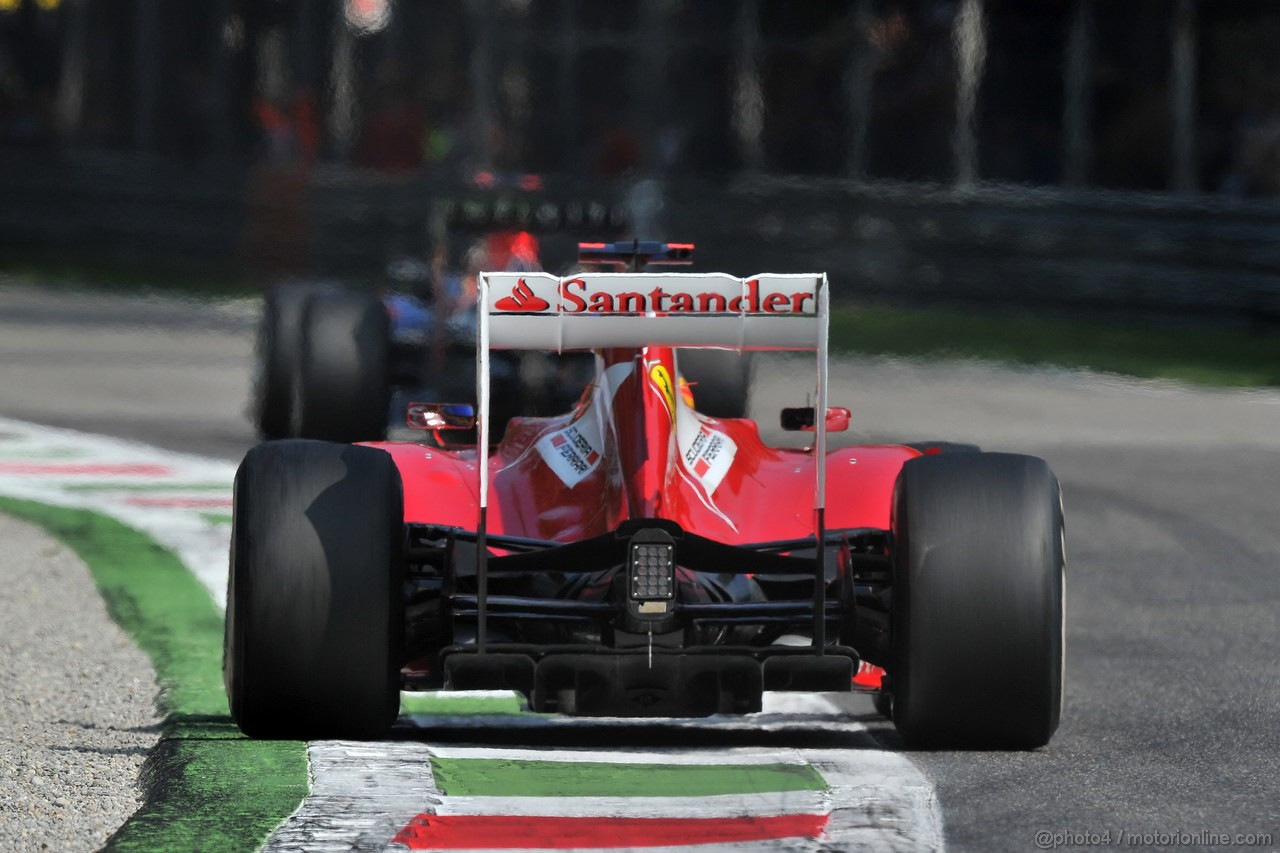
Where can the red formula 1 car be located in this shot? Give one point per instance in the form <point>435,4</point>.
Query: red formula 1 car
<point>637,558</point>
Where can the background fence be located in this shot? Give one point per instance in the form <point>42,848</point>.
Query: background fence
<point>1065,154</point>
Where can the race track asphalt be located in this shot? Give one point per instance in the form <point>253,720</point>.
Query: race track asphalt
<point>1172,721</point>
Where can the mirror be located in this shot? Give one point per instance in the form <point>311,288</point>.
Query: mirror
<point>441,416</point>
<point>803,418</point>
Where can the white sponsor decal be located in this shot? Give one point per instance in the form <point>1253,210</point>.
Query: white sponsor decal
<point>706,452</point>
<point>574,451</point>
<point>642,293</point>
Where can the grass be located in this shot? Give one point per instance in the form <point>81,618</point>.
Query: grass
<point>1195,353</point>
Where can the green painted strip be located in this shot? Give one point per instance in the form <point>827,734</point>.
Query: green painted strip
<point>208,788</point>
<point>448,705</point>
<point>217,795</point>
<point>216,517</point>
<point>494,777</point>
<point>38,453</point>
<point>164,486</point>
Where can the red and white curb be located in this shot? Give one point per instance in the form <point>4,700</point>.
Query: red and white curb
<point>872,799</point>
<point>383,796</point>
<point>181,501</point>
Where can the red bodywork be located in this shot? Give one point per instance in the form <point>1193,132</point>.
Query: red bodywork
<point>766,494</point>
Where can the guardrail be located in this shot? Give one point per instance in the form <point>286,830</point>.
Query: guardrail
<point>1036,247</point>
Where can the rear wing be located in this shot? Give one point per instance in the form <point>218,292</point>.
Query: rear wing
<point>538,311</point>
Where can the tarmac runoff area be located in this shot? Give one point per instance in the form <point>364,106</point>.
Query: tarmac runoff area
<point>78,717</point>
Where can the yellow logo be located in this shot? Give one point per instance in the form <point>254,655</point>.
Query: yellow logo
<point>662,378</point>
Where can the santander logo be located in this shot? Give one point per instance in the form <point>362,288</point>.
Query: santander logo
<point>577,297</point>
<point>522,298</point>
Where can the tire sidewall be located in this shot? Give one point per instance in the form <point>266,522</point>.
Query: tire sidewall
<point>344,386</point>
<point>977,609</point>
<point>315,598</point>
<point>276,364</point>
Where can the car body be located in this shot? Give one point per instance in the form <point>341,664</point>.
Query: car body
<point>637,557</point>
<point>339,363</point>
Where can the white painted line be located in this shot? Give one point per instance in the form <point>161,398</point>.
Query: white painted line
<point>623,755</point>
<point>467,694</point>
<point>713,806</point>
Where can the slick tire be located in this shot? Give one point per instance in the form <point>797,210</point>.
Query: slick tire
<point>344,384</point>
<point>977,613</point>
<point>721,381</point>
<point>315,596</point>
<point>279,339</point>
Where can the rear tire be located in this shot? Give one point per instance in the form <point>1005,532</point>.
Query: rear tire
<point>279,339</point>
<point>977,614</point>
<point>344,381</point>
<point>315,594</point>
<point>721,381</point>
